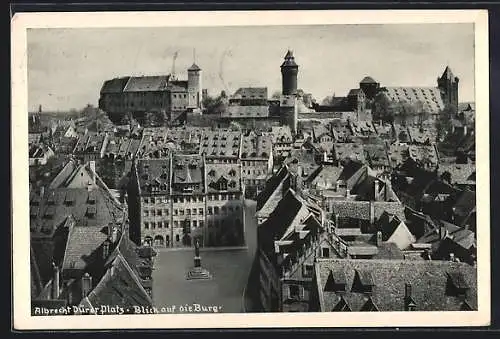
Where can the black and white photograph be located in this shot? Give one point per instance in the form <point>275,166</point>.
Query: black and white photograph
<point>178,167</point>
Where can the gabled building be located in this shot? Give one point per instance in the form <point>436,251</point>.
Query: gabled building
<point>288,243</point>
<point>256,162</point>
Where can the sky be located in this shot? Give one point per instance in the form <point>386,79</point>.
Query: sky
<point>67,67</point>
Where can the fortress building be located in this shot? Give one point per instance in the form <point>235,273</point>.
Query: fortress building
<point>160,94</point>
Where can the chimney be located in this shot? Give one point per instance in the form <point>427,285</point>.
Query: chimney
<point>86,285</point>
<point>452,257</point>
<point>372,213</point>
<point>92,170</point>
<point>114,234</point>
<point>55,282</point>
<point>42,191</point>
<point>409,305</point>
<point>105,249</point>
<point>347,193</point>
<point>377,189</point>
<point>379,238</point>
<point>337,221</point>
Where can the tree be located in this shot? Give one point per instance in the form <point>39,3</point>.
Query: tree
<point>383,108</point>
<point>443,122</point>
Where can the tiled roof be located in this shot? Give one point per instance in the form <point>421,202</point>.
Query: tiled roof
<point>83,242</point>
<point>115,85</point>
<point>423,154</point>
<point>327,177</point>
<point>430,97</point>
<point>187,170</point>
<point>431,284</point>
<point>422,135</point>
<point>302,160</point>
<point>361,209</point>
<point>256,146</point>
<point>60,203</point>
<point>147,83</point>
<point>221,143</point>
<point>341,131</point>
<point>460,173</point>
<point>270,189</point>
<point>353,151</point>
<point>154,176</point>
<point>119,286</point>
<point>250,93</point>
<point>362,128</point>
<point>289,212</point>
<point>281,134</point>
<point>223,177</point>
<point>376,154</point>
<point>237,111</point>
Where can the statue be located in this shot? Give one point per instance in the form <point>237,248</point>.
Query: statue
<point>197,272</point>
<point>197,248</point>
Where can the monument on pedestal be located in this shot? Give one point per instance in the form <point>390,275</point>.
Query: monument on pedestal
<point>198,272</point>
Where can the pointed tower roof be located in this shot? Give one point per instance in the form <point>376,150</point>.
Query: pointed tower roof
<point>289,59</point>
<point>448,74</point>
<point>194,67</point>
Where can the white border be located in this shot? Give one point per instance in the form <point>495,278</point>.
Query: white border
<point>20,198</point>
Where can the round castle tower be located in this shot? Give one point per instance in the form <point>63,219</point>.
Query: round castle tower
<point>194,86</point>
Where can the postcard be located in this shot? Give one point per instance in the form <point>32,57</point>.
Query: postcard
<point>250,169</point>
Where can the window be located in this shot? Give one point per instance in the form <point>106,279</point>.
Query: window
<point>325,252</point>
<point>166,212</point>
<point>210,211</point>
<point>216,210</point>
<point>146,213</point>
<point>153,213</point>
<point>188,211</point>
<point>200,223</point>
<point>195,223</point>
<point>146,225</point>
<point>194,211</point>
<point>308,270</point>
<point>152,200</point>
<point>176,212</point>
<point>181,212</point>
<point>160,224</point>
<point>294,291</point>
<point>176,223</point>
<point>200,211</point>
<point>176,237</point>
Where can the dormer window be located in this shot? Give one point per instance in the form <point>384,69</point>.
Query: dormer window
<point>69,199</point>
<point>363,282</point>
<point>91,198</point>
<point>91,211</point>
<point>369,306</point>
<point>342,306</point>
<point>336,281</point>
<point>49,212</point>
